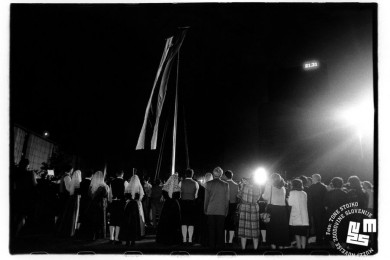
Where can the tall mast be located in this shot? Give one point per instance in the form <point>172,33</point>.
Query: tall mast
<point>175,115</point>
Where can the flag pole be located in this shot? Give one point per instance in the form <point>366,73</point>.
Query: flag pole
<point>105,169</point>
<point>175,115</point>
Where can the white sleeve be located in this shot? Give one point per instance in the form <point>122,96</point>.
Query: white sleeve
<point>197,189</point>
<point>67,182</point>
<point>291,199</point>
<point>267,191</point>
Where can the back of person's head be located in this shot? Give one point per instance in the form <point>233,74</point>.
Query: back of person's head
<point>316,178</point>
<point>217,172</point>
<point>367,185</point>
<point>119,174</point>
<point>354,182</point>
<point>75,181</point>
<point>337,182</point>
<point>87,173</point>
<point>189,173</point>
<point>208,177</point>
<point>97,181</point>
<point>229,175</point>
<point>157,182</point>
<point>277,180</point>
<point>309,181</point>
<point>304,180</point>
<point>24,163</point>
<point>68,168</point>
<point>297,184</point>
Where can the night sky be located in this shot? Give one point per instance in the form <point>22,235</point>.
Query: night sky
<point>85,72</point>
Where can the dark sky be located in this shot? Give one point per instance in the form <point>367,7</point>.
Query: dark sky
<point>85,72</point>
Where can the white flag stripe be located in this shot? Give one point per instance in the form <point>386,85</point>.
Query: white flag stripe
<point>141,139</point>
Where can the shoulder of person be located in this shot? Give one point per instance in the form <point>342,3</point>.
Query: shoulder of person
<point>234,183</point>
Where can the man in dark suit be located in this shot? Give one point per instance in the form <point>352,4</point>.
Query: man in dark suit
<point>216,207</point>
<point>316,198</point>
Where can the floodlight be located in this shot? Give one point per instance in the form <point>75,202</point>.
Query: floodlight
<point>260,176</point>
<point>361,118</point>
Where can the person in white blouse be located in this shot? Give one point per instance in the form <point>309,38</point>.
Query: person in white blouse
<point>299,217</point>
<point>277,228</point>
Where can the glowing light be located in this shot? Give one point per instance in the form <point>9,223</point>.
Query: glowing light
<point>361,118</point>
<point>309,65</point>
<point>46,134</point>
<point>260,176</point>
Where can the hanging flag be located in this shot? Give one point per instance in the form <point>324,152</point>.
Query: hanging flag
<point>153,113</point>
<point>105,169</point>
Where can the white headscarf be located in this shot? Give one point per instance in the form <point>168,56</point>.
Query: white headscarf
<point>208,177</point>
<point>97,181</point>
<point>172,184</point>
<point>134,187</point>
<point>75,181</point>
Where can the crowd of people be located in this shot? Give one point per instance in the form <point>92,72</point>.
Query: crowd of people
<point>213,212</point>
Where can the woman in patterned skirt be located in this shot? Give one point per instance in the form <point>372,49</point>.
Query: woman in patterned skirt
<point>248,225</point>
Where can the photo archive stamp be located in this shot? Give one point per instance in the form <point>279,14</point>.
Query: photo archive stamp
<point>352,230</point>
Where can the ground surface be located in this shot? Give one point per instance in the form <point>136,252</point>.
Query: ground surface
<point>46,243</point>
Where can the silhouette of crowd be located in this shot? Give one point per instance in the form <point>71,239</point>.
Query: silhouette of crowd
<point>211,210</point>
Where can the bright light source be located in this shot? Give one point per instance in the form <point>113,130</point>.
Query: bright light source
<point>260,176</point>
<point>46,134</point>
<point>309,65</point>
<point>361,118</point>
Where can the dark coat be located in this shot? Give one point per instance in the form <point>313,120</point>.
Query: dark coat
<point>216,201</point>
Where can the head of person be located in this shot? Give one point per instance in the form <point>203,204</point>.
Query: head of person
<point>297,184</point>
<point>316,178</point>
<point>309,181</point>
<point>157,182</point>
<point>88,173</point>
<point>229,175</point>
<point>367,185</point>
<point>208,177</point>
<point>134,185</point>
<point>217,172</point>
<point>97,181</point>
<point>277,180</point>
<point>75,181</point>
<point>304,180</point>
<point>354,182</point>
<point>24,163</point>
<point>337,183</point>
<point>189,173</point>
<point>119,174</point>
<point>68,169</point>
<point>172,185</point>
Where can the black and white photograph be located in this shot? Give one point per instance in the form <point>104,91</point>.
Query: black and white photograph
<point>229,129</point>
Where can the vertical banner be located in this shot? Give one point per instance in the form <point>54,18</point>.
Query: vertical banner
<point>153,111</point>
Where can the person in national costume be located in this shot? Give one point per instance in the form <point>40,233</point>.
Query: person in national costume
<point>133,222</point>
<point>169,225</point>
<point>116,207</point>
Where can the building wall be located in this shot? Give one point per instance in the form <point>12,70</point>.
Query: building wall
<point>38,151</point>
<point>19,139</point>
